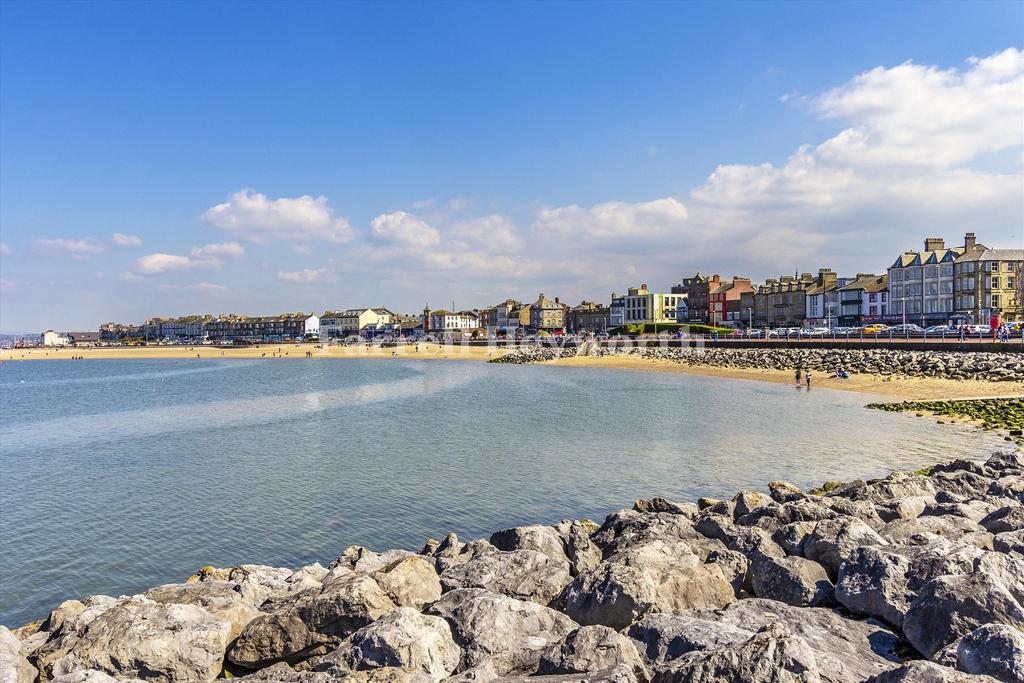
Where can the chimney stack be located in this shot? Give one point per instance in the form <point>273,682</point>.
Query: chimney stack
<point>934,244</point>
<point>969,242</point>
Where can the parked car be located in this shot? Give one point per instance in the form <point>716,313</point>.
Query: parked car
<point>875,328</point>
<point>939,329</point>
<point>906,328</point>
<point>979,329</point>
<point>816,332</point>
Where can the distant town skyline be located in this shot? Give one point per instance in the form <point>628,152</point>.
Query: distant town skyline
<point>177,158</point>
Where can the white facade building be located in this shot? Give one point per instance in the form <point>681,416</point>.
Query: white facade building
<point>446,321</point>
<point>312,326</point>
<point>51,338</point>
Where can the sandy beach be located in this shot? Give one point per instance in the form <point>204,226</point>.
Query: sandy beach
<point>907,388</point>
<point>893,388</point>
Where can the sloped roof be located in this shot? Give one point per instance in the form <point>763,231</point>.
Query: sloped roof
<point>994,255</point>
<point>864,281</point>
<point>923,258</point>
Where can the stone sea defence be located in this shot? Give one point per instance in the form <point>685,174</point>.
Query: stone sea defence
<point>886,362</point>
<point>912,577</point>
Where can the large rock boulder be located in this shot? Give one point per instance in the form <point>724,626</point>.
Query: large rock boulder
<point>219,598</point>
<point>921,671</point>
<point>660,638</point>
<point>581,551</point>
<point>592,648</point>
<point>895,485</point>
<point>993,650</point>
<point>846,650</point>
<point>137,637</point>
<point>543,539</point>
<point>520,574</point>
<point>832,540</point>
<point>258,583</point>
<point>410,581</point>
<point>1009,542</point>
<point>1008,518</point>
<point>873,582</point>
<point>313,623</point>
<point>405,639</point>
<point>950,527</point>
<point>772,655</point>
<point>497,633</point>
<point>656,577</point>
<point>14,667</point>
<point>792,580</point>
<point>950,607</point>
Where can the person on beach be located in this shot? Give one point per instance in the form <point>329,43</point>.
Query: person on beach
<point>807,375</point>
<point>798,376</point>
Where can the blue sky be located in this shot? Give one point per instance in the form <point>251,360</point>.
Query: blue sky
<point>394,153</point>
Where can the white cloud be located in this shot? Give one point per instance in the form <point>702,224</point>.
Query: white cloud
<point>233,249</point>
<point>206,256</point>
<point>129,276</point>
<point>257,218</point>
<point>5,250</point>
<point>152,264</point>
<point>494,232</point>
<point>925,116</point>
<point>305,276</point>
<point>404,228</point>
<point>612,220</point>
<point>920,156</point>
<point>206,288</point>
<point>78,248</point>
<point>123,240</point>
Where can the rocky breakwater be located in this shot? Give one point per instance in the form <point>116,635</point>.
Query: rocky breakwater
<point>911,577</point>
<point>995,367</point>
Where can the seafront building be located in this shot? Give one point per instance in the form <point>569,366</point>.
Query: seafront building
<point>311,328</point>
<point>782,302</point>
<point>643,306</point>
<point>695,292</point>
<point>51,338</point>
<point>724,301</point>
<point>970,284</point>
<point>987,285</point>
<point>822,299</point>
<point>863,300</point>
<point>589,316</point>
<point>440,320</point>
<point>548,315</point>
<point>921,282</point>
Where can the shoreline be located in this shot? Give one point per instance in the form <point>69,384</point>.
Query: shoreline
<point>922,388</point>
<point>891,386</point>
<point>795,573</point>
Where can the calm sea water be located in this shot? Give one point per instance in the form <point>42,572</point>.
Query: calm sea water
<point>116,476</point>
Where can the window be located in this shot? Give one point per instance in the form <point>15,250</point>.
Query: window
<point>946,270</point>
<point>946,287</point>
<point>931,288</point>
<point>995,283</point>
<point>914,273</point>
<point>995,300</point>
<point>896,275</point>
<point>931,271</point>
<point>1009,283</point>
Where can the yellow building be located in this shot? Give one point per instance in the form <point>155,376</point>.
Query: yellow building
<point>987,284</point>
<point>643,306</point>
